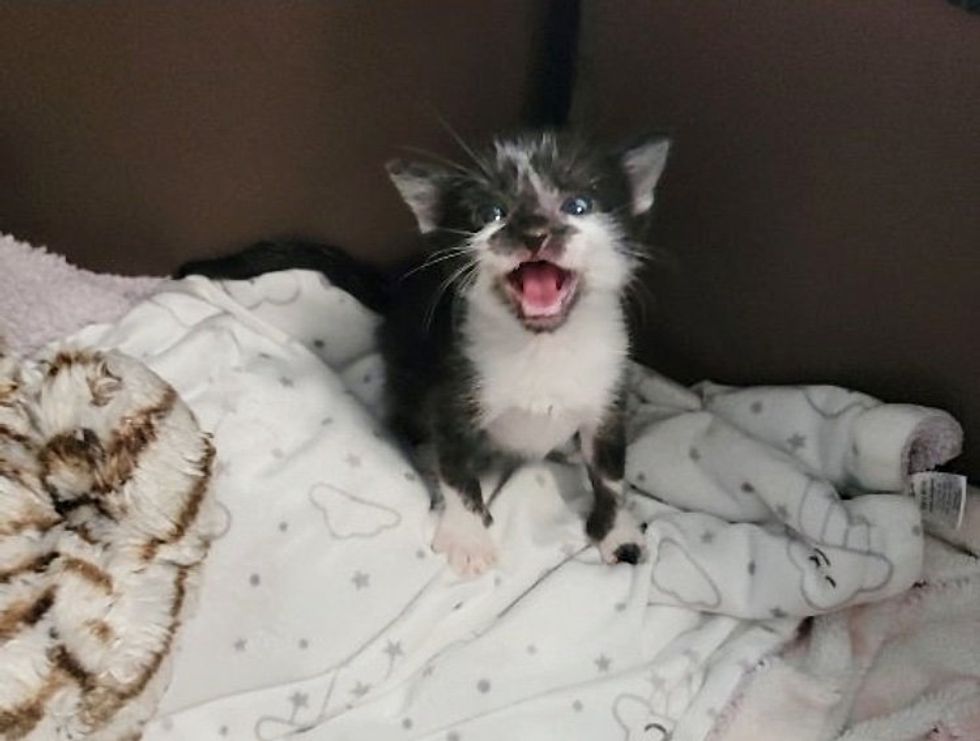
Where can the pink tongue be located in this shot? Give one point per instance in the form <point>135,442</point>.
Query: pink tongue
<point>539,285</point>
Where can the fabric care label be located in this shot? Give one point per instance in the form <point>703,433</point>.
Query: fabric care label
<point>941,498</point>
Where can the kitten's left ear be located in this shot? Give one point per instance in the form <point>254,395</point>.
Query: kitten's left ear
<point>643,166</point>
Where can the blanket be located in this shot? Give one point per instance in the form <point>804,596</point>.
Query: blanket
<point>44,298</point>
<point>326,613</point>
<point>104,522</point>
<point>904,669</point>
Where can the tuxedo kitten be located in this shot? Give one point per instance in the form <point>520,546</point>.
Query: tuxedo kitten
<point>511,339</point>
<point>507,340</point>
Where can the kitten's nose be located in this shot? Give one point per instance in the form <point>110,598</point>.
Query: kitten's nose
<point>534,240</point>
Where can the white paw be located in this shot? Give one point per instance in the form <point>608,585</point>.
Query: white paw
<point>625,542</point>
<point>463,537</point>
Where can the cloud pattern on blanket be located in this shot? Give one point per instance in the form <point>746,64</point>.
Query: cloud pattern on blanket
<point>637,717</point>
<point>325,611</point>
<point>347,515</point>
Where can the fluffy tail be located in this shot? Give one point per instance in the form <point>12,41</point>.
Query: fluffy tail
<point>367,284</point>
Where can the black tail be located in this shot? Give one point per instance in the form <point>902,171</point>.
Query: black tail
<point>367,284</point>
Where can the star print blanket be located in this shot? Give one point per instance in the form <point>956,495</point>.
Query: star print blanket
<point>324,611</point>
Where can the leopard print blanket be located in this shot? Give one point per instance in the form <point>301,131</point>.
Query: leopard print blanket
<point>105,519</point>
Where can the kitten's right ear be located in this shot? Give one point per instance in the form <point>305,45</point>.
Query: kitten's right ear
<point>643,165</point>
<point>420,186</point>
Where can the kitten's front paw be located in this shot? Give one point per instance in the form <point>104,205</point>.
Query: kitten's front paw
<point>625,543</point>
<point>463,537</point>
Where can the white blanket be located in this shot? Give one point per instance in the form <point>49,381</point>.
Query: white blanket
<point>324,609</point>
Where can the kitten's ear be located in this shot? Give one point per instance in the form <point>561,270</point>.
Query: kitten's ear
<point>643,165</point>
<point>420,186</point>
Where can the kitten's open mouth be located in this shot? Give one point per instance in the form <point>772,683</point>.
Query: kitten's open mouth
<point>542,292</point>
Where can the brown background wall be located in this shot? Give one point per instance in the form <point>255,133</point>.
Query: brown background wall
<point>823,203</point>
<point>137,133</point>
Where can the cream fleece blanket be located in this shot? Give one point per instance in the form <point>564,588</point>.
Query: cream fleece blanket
<point>45,298</point>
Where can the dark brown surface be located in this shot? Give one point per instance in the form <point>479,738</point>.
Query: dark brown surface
<point>824,200</point>
<point>136,134</point>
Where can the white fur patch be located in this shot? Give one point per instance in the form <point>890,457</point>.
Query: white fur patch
<point>463,537</point>
<point>537,390</point>
<point>625,531</point>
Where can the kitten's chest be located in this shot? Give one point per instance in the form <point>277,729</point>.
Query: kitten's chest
<point>535,392</point>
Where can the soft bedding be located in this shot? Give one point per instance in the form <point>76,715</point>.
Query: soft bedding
<point>43,297</point>
<point>105,518</point>
<point>324,611</point>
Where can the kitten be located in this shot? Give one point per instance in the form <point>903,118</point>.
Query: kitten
<point>508,340</point>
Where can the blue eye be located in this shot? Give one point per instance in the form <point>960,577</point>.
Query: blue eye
<point>491,214</point>
<point>577,206</point>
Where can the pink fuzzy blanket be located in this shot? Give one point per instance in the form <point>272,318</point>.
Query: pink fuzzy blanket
<point>43,297</point>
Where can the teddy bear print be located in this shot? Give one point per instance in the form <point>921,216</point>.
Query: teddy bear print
<point>640,721</point>
<point>831,577</point>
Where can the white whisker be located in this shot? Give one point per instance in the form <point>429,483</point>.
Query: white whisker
<point>441,160</point>
<point>444,286</point>
<point>461,232</point>
<point>435,259</point>
<point>466,148</point>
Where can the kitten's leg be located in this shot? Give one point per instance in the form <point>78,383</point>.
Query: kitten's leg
<point>462,530</point>
<point>614,529</point>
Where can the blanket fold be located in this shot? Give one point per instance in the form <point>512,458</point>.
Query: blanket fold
<point>770,459</point>
<point>846,437</point>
